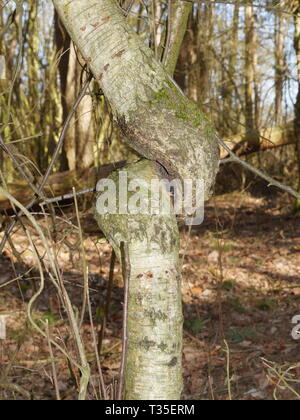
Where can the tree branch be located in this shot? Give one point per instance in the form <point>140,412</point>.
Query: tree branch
<point>258,172</point>
<point>39,189</point>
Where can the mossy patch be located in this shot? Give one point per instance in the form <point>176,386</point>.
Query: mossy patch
<point>170,98</point>
<point>162,346</point>
<point>147,344</point>
<point>155,315</point>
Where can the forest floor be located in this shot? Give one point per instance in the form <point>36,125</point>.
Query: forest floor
<point>241,290</point>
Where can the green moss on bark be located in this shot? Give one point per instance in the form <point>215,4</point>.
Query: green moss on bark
<point>169,97</point>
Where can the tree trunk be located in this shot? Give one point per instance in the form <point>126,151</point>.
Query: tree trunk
<point>231,75</point>
<point>153,360</point>
<point>251,95</point>
<point>155,117</point>
<point>2,76</point>
<point>80,138</point>
<point>297,105</point>
<point>193,68</point>
<point>279,66</point>
<point>178,17</point>
<point>161,124</point>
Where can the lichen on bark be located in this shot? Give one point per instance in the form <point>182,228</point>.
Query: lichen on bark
<point>176,134</point>
<point>172,133</point>
<point>153,363</point>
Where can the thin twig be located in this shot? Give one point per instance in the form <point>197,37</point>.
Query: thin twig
<point>108,300</point>
<point>129,7</point>
<point>67,196</point>
<point>19,168</point>
<point>54,372</point>
<point>228,370</point>
<point>84,264</point>
<point>84,368</point>
<point>65,128</point>
<point>125,261</point>
<point>16,388</point>
<point>186,245</point>
<point>103,393</point>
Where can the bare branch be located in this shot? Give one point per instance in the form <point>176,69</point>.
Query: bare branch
<point>51,165</point>
<point>258,172</point>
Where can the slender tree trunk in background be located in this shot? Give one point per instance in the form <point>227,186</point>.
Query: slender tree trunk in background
<point>178,16</point>
<point>251,96</point>
<point>204,43</point>
<point>2,76</point>
<point>256,84</point>
<point>233,60</point>
<point>36,151</point>
<point>249,91</point>
<point>235,40</point>
<point>197,66</point>
<point>158,34</point>
<point>9,48</point>
<point>228,60</point>
<point>165,127</point>
<point>186,55</point>
<point>63,42</point>
<point>80,138</point>
<point>279,67</point>
<point>297,105</point>
<point>193,68</point>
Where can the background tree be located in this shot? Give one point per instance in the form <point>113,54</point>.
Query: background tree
<point>251,91</point>
<point>279,65</point>
<point>297,106</point>
<point>80,138</point>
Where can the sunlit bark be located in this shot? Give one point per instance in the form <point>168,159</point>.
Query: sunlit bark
<point>159,122</point>
<point>251,97</point>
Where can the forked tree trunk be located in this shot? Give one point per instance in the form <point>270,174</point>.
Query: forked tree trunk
<point>160,123</point>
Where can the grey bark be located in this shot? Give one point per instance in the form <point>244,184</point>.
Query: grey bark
<point>178,135</point>
<point>153,359</point>
<point>159,122</point>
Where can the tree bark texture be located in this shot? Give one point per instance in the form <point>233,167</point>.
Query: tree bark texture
<point>177,140</point>
<point>157,120</point>
<point>153,360</point>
